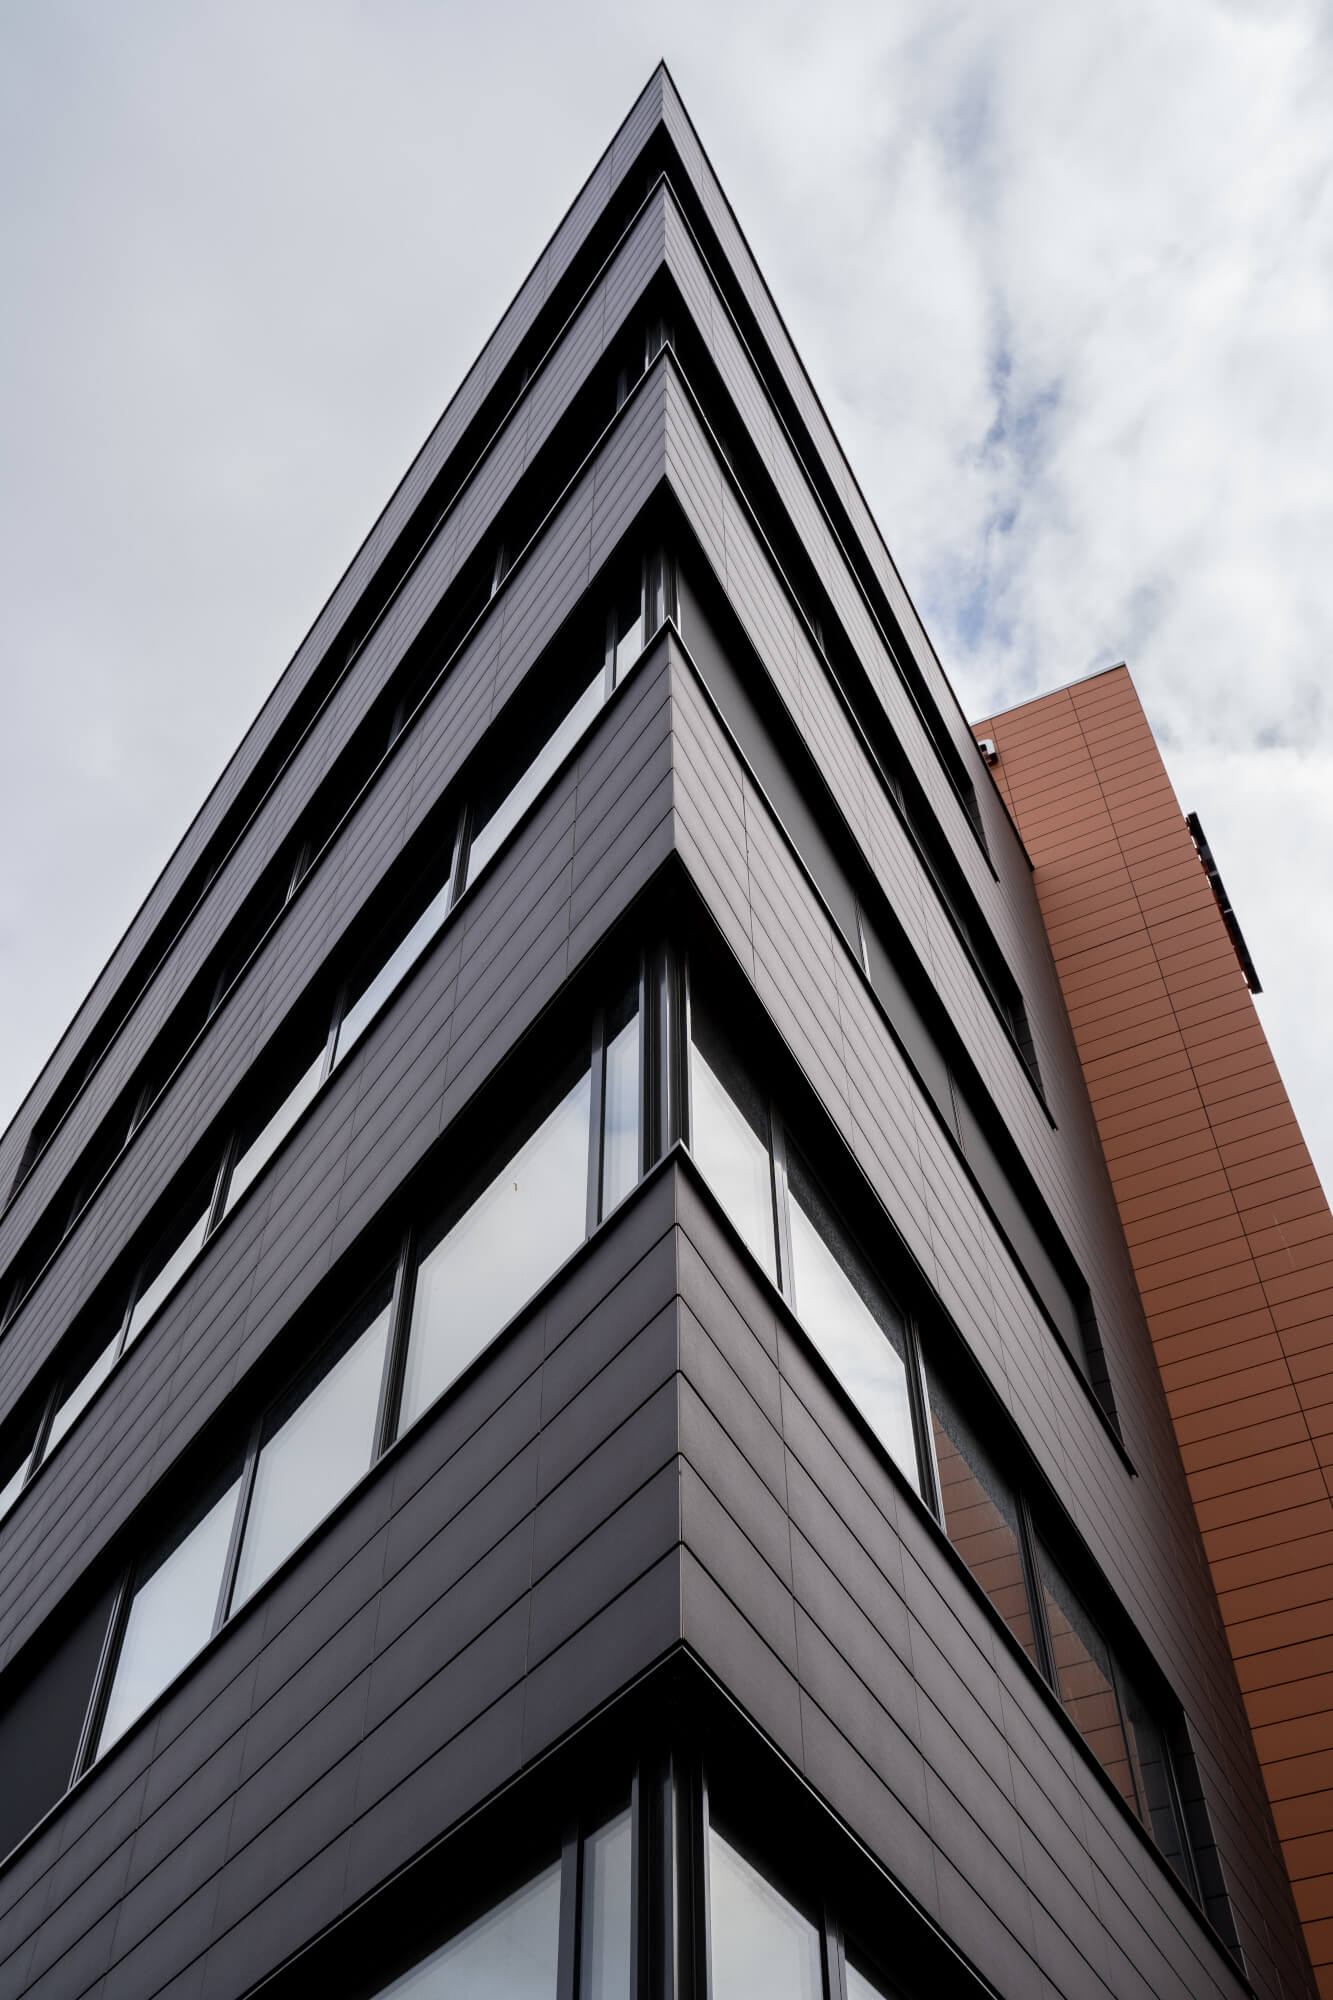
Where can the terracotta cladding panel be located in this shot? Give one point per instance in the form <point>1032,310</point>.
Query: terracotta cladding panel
<point>1229,1231</point>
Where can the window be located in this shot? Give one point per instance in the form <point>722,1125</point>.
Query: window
<point>315,1447</point>
<point>504,1246</point>
<point>165,1274</point>
<point>77,1398</point>
<point>512,1953</point>
<point>497,821</point>
<point>254,1153</point>
<point>729,1137</point>
<point>604,1928</point>
<point>761,1947</point>
<point>980,1515</point>
<point>858,1331</point>
<point>171,1615</point>
<point>394,968</point>
<point>622,1091</point>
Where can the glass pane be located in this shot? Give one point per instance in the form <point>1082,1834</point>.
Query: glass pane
<point>1150,1759</point>
<point>530,1218</point>
<point>1083,1674</point>
<point>13,1486</point>
<point>170,1619</point>
<point>313,1457</point>
<point>981,1518</point>
<point>155,1291</point>
<point>267,1140</point>
<point>548,759</point>
<point>761,1946</point>
<point>79,1397</point>
<point>399,962</point>
<point>860,1988</point>
<point>509,1954</point>
<point>850,1321</point>
<point>604,1927</point>
<point>620,1115</point>
<point>729,1140</point>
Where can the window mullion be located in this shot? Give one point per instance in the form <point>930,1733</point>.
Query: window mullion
<point>458,864</point>
<point>919,1392</point>
<point>596,1120</point>
<point>231,1563</point>
<point>106,1666</point>
<point>835,1957</point>
<point>217,1207</point>
<point>1041,1630</point>
<point>395,1348</point>
<point>567,1953</point>
<point>781,1194</point>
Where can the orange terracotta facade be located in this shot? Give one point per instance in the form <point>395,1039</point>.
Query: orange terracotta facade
<point>1229,1229</point>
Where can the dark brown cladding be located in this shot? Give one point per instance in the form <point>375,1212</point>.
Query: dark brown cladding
<point>1229,1229</point>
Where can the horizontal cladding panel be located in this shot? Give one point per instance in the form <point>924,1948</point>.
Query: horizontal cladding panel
<point>342,1709</point>
<point>1066,1163</point>
<point>824,551</point>
<point>378,1115</point>
<point>856,1644</point>
<point>406,788</point>
<point>778,342</point>
<point>596,324</point>
<point>588,206</point>
<point>1140,1530</point>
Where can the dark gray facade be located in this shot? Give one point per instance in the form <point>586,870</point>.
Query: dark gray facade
<point>647,1549</point>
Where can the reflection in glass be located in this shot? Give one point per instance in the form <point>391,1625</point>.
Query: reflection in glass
<point>399,962</point>
<point>511,808</point>
<point>859,1987</point>
<point>1151,1763</point>
<point>509,1954</point>
<point>850,1321</point>
<point>620,1115</point>
<point>1083,1677</point>
<point>155,1291</point>
<point>530,1218</point>
<point>729,1139</point>
<point>981,1518</point>
<point>170,1619</point>
<point>760,1945</point>
<point>312,1457</point>
<point>268,1139</point>
<point>80,1396</point>
<point>604,1928</point>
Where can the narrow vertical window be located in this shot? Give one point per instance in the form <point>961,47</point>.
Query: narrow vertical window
<point>604,1924</point>
<point>761,1947</point>
<point>621,1093</point>
<point>317,1443</point>
<point>729,1138</point>
<point>1084,1677</point>
<point>855,1327</point>
<point>483,1267</point>
<point>980,1516</point>
<point>171,1615</point>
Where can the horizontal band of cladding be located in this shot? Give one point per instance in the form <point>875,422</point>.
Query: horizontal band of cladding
<point>332,895</point>
<point>1165,1578</point>
<point>448,1531</point>
<point>868,1602</point>
<point>1069,1174</point>
<point>430,1053</point>
<point>584,213</point>
<point>465,526</point>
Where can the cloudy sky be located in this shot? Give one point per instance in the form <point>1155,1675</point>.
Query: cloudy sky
<point>1062,272</point>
